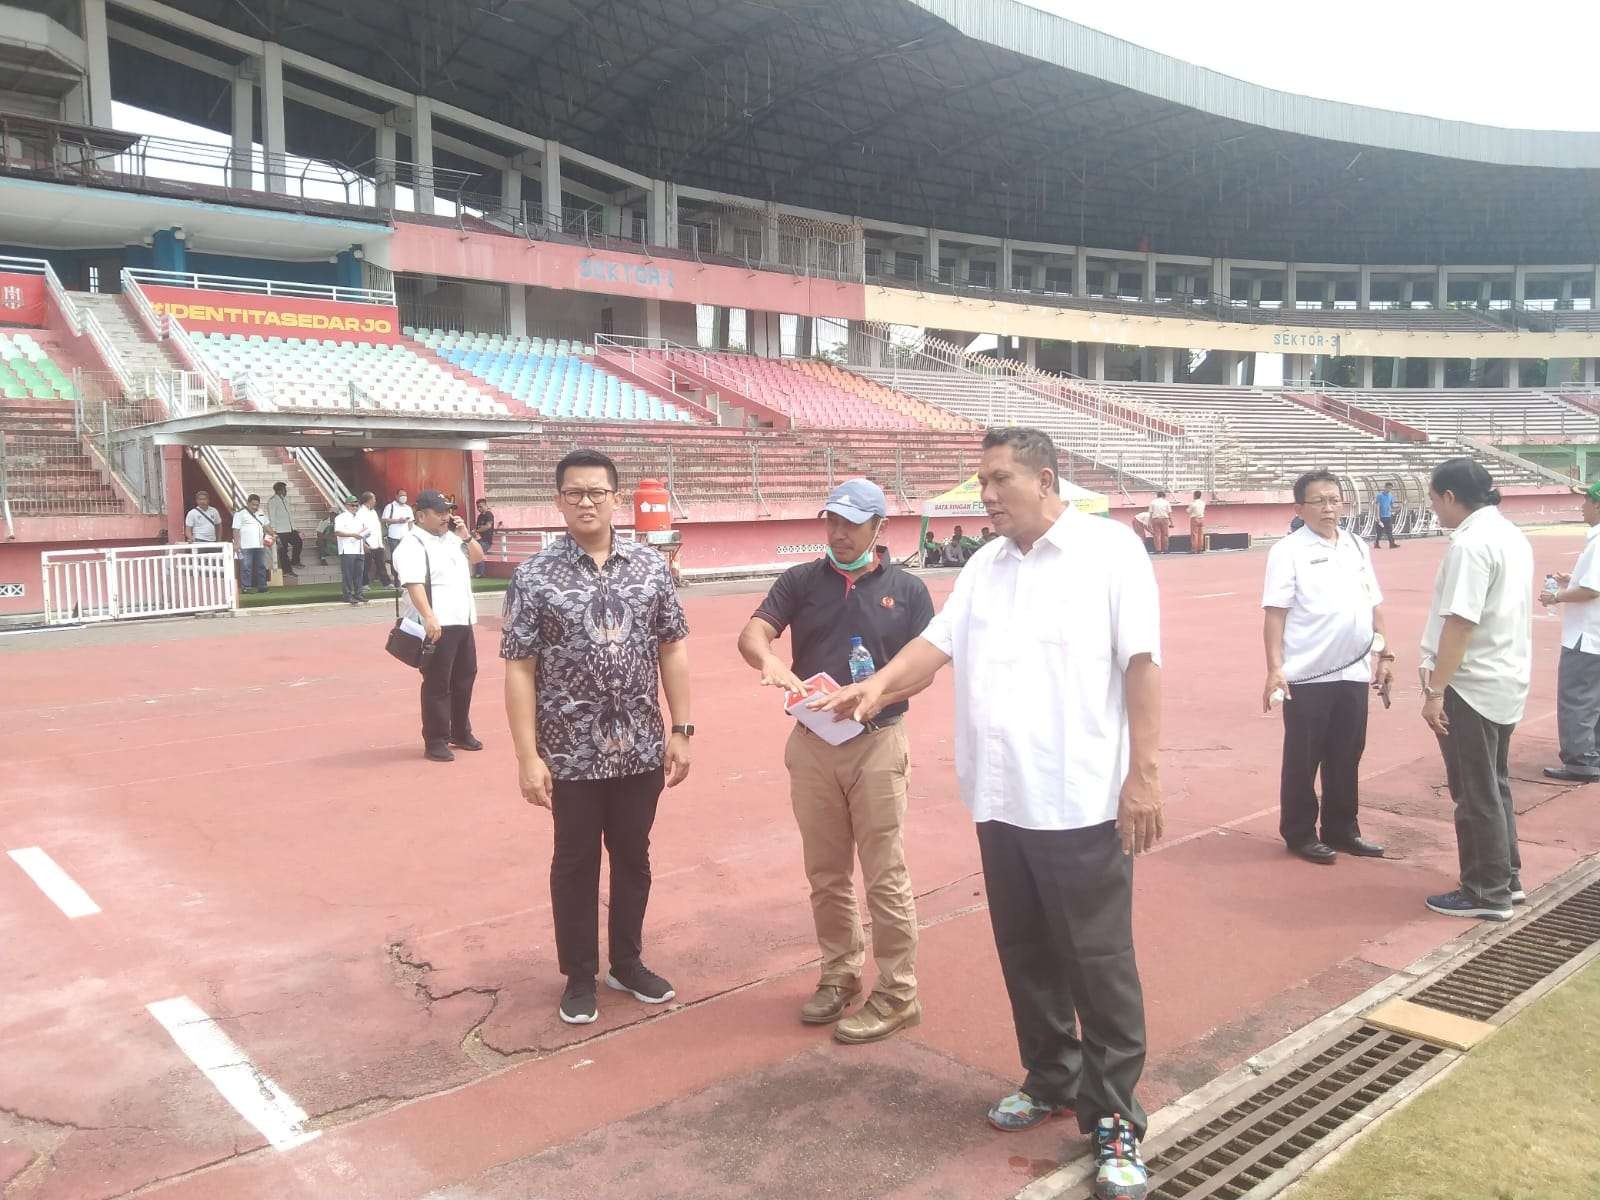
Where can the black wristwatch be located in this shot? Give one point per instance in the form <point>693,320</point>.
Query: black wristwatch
<point>686,730</point>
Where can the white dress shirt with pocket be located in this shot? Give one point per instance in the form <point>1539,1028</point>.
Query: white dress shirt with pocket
<point>442,554</point>
<point>1330,591</point>
<point>1040,643</point>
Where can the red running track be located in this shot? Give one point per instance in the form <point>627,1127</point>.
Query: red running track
<point>245,801</point>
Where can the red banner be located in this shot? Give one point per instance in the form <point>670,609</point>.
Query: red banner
<point>275,316</point>
<point>23,300</point>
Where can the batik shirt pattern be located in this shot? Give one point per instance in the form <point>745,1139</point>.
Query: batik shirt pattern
<point>596,635</point>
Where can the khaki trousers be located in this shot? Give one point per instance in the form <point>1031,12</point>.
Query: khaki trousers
<point>850,800</point>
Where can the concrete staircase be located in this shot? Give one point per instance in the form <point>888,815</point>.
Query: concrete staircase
<point>140,352</point>
<point>257,468</point>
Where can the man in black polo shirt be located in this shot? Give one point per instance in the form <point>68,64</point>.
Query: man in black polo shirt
<point>850,799</point>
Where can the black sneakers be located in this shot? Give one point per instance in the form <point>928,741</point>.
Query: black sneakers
<point>640,982</point>
<point>577,1002</point>
<point>439,750</point>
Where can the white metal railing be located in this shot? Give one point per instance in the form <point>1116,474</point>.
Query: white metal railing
<point>514,545</point>
<point>155,324</point>
<point>260,287</point>
<point>109,354</point>
<point>216,395</point>
<point>718,368</point>
<point>83,586</point>
<point>323,477</point>
<point>221,475</point>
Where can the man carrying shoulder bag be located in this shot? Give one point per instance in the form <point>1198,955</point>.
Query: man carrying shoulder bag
<point>436,575</point>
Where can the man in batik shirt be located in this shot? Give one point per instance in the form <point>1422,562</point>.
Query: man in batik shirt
<point>588,624</point>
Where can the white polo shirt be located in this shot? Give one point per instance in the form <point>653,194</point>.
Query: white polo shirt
<point>251,528</point>
<point>369,522</point>
<point>203,524</point>
<point>421,552</point>
<point>399,517</point>
<point>1040,642</point>
<point>351,531</point>
<point>1580,623</point>
<point>1330,591</point>
<point>1160,509</point>
<point>1197,509</point>
<point>1487,577</point>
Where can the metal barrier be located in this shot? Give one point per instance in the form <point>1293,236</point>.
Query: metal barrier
<point>515,544</point>
<point>87,586</point>
<point>257,287</point>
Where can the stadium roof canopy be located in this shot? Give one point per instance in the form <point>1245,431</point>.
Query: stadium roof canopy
<point>982,116</point>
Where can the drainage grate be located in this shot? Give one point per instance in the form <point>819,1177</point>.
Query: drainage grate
<point>1492,979</point>
<point>1230,1155</point>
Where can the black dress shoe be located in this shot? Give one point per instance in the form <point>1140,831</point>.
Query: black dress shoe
<point>1358,846</point>
<point>1316,852</point>
<point>466,743</point>
<point>1569,775</point>
<point>438,750</point>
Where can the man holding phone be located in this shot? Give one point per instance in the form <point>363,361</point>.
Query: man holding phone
<point>1323,622</point>
<point>436,576</point>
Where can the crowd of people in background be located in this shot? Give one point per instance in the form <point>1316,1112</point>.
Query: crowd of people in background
<point>357,536</point>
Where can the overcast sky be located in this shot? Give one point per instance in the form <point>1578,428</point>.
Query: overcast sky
<point>1524,66</point>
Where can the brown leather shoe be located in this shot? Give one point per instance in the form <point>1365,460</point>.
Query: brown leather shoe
<point>828,1002</point>
<point>878,1018</point>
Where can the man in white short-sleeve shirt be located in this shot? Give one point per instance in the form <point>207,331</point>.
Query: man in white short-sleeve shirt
<point>350,531</point>
<point>1477,663</point>
<point>1578,678</point>
<point>398,519</point>
<point>1054,631</point>
<point>250,529</point>
<point>1323,623</point>
<point>203,523</point>
<point>433,564</point>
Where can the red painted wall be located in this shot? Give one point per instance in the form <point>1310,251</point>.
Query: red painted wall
<point>384,472</point>
<point>432,250</point>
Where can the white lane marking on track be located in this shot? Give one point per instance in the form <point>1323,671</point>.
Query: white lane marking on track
<point>55,883</point>
<point>1215,595</point>
<point>255,1097</point>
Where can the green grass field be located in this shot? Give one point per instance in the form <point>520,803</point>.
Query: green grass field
<point>1519,1119</point>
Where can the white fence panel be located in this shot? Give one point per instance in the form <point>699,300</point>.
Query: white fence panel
<point>85,586</point>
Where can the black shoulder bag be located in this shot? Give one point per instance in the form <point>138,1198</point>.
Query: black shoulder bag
<point>408,648</point>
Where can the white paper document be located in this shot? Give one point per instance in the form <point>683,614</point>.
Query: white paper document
<point>409,625</point>
<point>823,724</point>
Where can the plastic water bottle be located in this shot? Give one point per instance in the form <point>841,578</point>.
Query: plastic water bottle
<point>861,664</point>
<point>1551,586</point>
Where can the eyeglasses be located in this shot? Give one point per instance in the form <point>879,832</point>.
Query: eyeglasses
<point>595,496</point>
<point>1325,502</point>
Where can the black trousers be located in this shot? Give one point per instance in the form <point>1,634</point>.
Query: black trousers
<point>1324,729</point>
<point>1385,528</point>
<point>353,575</point>
<point>620,812</point>
<point>289,547</point>
<point>376,570</point>
<point>1061,904</point>
<point>447,679</point>
<point>1476,753</point>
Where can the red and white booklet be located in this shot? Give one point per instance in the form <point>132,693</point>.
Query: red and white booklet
<point>823,724</point>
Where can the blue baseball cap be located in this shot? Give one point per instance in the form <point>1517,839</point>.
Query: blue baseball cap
<point>857,501</point>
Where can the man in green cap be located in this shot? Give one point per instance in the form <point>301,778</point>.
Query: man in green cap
<point>1578,679</point>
